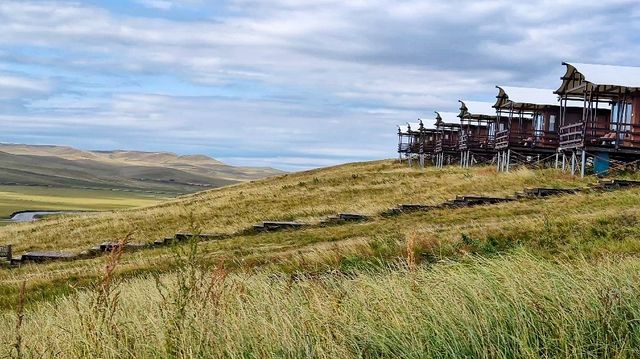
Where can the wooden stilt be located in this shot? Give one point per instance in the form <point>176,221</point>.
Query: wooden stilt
<point>583,163</point>
<point>508,160</point>
<point>573,163</point>
<point>557,159</point>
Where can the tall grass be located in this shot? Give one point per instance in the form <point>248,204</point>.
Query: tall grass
<point>367,188</point>
<point>518,306</point>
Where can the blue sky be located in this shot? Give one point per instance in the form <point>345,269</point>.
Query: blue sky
<point>283,83</point>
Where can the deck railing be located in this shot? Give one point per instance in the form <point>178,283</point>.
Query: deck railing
<point>474,141</point>
<point>529,139</point>
<point>446,145</point>
<point>404,147</point>
<point>592,134</point>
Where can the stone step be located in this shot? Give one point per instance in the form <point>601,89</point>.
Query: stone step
<point>43,256</point>
<point>277,226</point>
<point>111,246</point>
<point>185,236</point>
<point>545,192</point>
<point>352,217</point>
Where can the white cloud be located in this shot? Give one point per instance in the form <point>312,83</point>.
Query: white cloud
<point>292,77</point>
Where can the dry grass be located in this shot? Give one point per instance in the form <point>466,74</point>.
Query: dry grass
<point>367,188</point>
<point>511,307</point>
<point>557,276</point>
<point>595,225</point>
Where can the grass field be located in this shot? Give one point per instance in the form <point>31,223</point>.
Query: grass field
<point>516,307</point>
<point>17,198</point>
<point>543,277</point>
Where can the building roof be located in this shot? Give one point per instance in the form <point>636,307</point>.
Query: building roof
<point>519,96</point>
<point>413,126</point>
<point>600,77</point>
<point>476,109</point>
<point>447,117</point>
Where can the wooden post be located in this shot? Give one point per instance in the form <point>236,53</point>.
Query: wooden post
<point>498,161</point>
<point>557,159</point>
<point>573,163</point>
<point>564,162</point>
<point>583,164</point>
<point>508,159</point>
<point>503,163</point>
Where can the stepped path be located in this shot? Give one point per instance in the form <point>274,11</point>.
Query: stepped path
<point>271,226</point>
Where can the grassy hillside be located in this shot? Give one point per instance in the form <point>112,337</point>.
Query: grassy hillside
<point>17,198</point>
<point>517,307</point>
<point>542,277</point>
<point>136,171</point>
<point>366,188</point>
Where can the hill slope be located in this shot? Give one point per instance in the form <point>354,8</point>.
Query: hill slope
<point>554,277</point>
<point>365,188</point>
<point>145,171</point>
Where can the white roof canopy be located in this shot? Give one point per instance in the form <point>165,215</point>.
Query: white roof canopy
<point>607,80</point>
<point>413,126</point>
<point>624,76</point>
<point>428,124</point>
<point>525,96</point>
<point>447,117</point>
<point>476,109</point>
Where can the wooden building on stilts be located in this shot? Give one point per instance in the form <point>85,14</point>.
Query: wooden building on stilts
<point>447,135</point>
<point>607,131</point>
<point>408,139</point>
<point>416,142</point>
<point>428,137</point>
<point>527,126</point>
<point>477,135</point>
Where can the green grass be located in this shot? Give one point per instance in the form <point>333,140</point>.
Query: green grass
<point>367,188</point>
<point>513,307</point>
<point>553,277</point>
<point>17,198</point>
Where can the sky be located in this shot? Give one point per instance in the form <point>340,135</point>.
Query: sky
<point>291,84</point>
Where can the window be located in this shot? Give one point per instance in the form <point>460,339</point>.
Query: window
<point>552,123</point>
<point>538,122</point>
<point>625,120</point>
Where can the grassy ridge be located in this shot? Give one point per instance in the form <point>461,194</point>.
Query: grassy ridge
<point>309,196</point>
<point>501,308</point>
<point>589,224</point>
<point>16,198</point>
<point>544,277</point>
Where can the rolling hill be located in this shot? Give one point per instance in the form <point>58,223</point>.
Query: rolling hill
<point>163,172</point>
<point>534,277</point>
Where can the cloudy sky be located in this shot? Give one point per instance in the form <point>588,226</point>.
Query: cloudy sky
<point>292,84</point>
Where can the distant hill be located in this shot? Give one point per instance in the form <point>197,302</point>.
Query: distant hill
<point>61,166</point>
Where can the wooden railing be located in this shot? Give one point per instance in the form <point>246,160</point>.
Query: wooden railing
<point>6,252</point>
<point>471,141</point>
<point>579,134</point>
<point>502,139</point>
<point>529,139</point>
<point>446,145</point>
